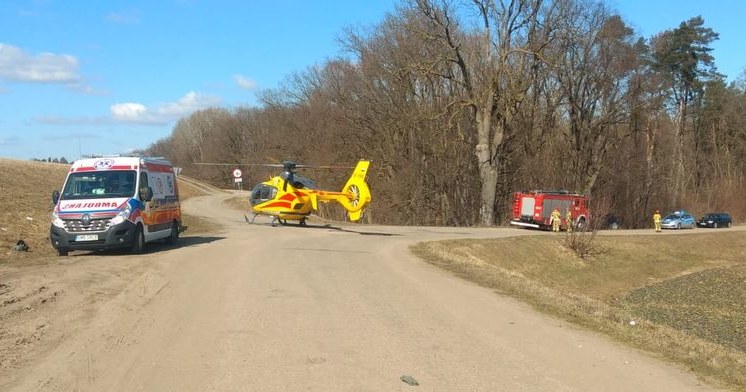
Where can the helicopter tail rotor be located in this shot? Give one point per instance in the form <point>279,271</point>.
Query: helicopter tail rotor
<point>358,191</point>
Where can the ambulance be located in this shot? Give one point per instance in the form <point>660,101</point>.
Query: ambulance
<point>116,202</point>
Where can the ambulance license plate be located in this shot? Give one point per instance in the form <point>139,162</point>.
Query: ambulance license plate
<point>86,237</point>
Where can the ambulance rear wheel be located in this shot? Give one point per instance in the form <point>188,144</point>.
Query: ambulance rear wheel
<point>62,251</point>
<point>171,239</point>
<point>138,242</point>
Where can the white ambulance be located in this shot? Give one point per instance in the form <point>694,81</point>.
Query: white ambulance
<point>116,202</point>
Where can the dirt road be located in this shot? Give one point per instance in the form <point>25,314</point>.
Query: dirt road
<point>260,308</point>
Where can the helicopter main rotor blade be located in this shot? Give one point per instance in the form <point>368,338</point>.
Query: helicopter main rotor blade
<point>236,164</point>
<point>295,166</point>
<point>323,167</point>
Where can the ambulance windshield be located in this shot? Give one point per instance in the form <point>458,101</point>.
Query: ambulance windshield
<point>100,184</point>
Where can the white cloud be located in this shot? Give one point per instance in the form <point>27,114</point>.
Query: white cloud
<point>17,65</point>
<point>138,113</point>
<point>189,103</point>
<point>128,111</point>
<point>57,120</point>
<point>67,136</point>
<point>244,82</point>
<point>133,112</point>
<point>124,17</point>
<point>9,140</point>
<point>88,90</point>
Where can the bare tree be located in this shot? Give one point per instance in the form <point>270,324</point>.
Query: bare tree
<point>493,65</point>
<point>594,70</point>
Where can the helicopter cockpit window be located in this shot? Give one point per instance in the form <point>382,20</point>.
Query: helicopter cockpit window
<point>262,193</point>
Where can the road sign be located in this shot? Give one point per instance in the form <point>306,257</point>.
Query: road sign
<point>237,173</point>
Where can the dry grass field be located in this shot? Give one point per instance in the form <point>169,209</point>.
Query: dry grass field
<point>681,297</point>
<point>26,201</point>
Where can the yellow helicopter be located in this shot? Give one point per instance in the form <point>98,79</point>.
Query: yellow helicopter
<point>291,197</point>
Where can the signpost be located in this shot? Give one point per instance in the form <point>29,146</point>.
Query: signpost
<point>237,179</point>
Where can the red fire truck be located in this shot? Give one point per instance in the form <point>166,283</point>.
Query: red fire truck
<point>534,208</point>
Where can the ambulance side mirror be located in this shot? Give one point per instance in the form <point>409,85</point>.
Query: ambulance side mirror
<point>146,194</point>
<point>55,197</point>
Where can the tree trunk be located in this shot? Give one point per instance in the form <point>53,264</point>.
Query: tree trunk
<point>650,140</point>
<point>590,179</point>
<point>486,160</point>
<point>678,154</point>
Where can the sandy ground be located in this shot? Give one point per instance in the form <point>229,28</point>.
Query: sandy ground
<point>323,308</point>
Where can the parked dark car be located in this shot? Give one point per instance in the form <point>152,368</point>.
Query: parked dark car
<point>715,219</point>
<point>612,222</point>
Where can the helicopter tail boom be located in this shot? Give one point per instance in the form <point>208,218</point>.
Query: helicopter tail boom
<point>358,192</point>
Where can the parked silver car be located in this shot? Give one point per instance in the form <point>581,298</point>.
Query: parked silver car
<point>679,220</point>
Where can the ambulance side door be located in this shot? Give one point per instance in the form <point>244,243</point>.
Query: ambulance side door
<point>147,204</point>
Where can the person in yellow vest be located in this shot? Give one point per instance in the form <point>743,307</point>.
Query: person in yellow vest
<point>657,221</point>
<point>568,220</point>
<point>556,219</point>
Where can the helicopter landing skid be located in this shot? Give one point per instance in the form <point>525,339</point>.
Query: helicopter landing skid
<point>284,222</point>
<point>274,222</point>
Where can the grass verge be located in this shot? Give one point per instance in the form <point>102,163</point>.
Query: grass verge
<point>686,298</point>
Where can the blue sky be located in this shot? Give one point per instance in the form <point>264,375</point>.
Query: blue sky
<point>112,76</point>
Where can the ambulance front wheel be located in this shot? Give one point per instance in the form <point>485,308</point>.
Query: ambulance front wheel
<point>138,241</point>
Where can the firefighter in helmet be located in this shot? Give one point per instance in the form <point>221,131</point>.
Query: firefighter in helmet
<point>657,221</point>
<point>568,220</point>
<point>556,219</point>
